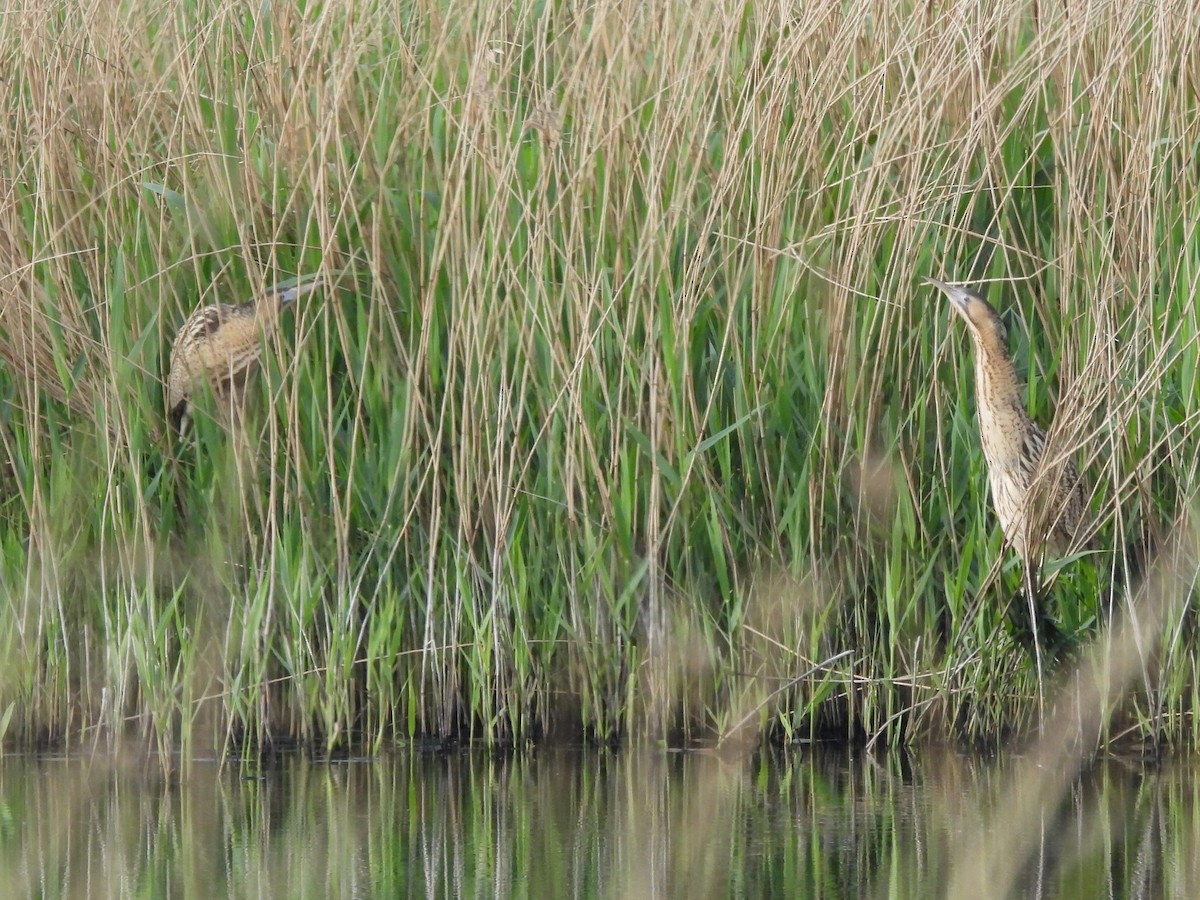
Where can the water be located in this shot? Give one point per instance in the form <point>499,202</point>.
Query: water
<point>588,824</point>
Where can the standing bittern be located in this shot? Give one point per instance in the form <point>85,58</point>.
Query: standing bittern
<point>1034,513</point>
<point>219,344</point>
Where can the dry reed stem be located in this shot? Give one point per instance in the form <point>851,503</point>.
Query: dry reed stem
<point>991,862</point>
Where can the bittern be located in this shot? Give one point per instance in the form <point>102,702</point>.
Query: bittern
<point>219,345</point>
<point>1035,512</point>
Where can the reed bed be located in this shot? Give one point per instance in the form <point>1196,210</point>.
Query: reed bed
<point>622,414</point>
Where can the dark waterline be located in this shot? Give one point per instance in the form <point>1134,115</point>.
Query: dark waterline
<point>588,824</point>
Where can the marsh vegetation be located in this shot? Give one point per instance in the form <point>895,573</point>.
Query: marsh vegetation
<point>623,414</point>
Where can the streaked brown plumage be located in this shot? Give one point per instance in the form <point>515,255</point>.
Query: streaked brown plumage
<point>219,345</point>
<point>1013,444</point>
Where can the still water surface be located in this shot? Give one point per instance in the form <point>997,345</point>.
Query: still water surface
<point>589,824</point>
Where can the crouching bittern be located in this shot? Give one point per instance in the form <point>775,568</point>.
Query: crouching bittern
<point>219,345</point>
<point>1035,512</point>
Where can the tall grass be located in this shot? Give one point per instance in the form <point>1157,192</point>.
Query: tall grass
<point>626,408</point>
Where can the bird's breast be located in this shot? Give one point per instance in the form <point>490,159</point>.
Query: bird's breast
<point>1002,431</point>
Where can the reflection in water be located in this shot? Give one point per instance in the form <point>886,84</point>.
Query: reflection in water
<point>584,824</point>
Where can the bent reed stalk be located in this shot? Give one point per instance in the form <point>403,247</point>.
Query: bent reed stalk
<point>628,407</point>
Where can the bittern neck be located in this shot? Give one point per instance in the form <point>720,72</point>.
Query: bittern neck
<point>998,387</point>
<point>267,310</point>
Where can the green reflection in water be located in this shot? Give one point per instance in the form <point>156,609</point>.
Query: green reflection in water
<point>563,824</point>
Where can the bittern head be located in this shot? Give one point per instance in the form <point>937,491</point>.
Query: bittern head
<point>981,318</point>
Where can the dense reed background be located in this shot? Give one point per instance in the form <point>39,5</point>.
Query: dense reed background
<point>623,413</point>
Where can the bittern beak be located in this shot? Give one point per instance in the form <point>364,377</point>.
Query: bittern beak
<point>958,294</point>
<point>293,293</point>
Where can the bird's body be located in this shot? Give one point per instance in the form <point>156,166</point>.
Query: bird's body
<point>1035,511</point>
<point>218,346</point>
